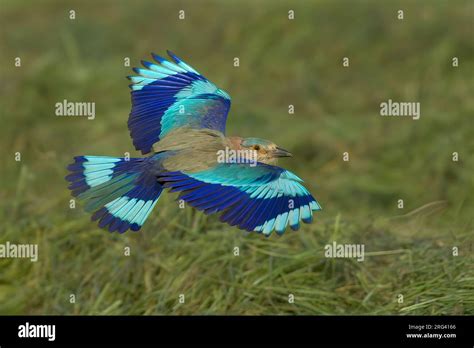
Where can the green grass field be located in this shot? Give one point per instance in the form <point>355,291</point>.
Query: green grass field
<point>408,252</point>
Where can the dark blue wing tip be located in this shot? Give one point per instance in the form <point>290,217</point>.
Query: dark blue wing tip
<point>75,167</point>
<point>79,159</point>
<point>295,227</point>
<point>158,58</point>
<point>280,233</point>
<point>135,227</point>
<point>146,64</point>
<point>123,227</point>
<point>99,213</point>
<point>72,177</point>
<point>112,223</point>
<point>115,224</point>
<point>172,55</point>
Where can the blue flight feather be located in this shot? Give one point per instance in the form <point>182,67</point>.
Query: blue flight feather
<point>121,191</point>
<point>169,96</point>
<point>254,198</point>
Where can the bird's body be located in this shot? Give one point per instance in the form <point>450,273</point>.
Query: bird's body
<point>178,117</point>
<point>202,145</point>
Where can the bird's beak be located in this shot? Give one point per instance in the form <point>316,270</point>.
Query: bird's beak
<point>279,152</point>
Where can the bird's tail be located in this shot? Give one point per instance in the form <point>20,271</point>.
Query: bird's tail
<point>121,192</point>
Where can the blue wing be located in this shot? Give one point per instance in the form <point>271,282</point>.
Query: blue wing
<point>120,191</point>
<point>262,198</point>
<point>169,95</point>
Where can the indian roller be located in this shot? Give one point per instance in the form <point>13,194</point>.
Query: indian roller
<point>178,118</point>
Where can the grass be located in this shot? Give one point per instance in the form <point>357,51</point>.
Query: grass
<point>409,251</point>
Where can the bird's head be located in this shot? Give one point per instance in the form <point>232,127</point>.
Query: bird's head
<point>266,151</point>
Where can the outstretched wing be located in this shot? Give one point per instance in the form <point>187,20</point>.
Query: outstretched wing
<point>168,95</point>
<point>261,198</point>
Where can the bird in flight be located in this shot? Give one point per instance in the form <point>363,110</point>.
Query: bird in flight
<point>178,119</point>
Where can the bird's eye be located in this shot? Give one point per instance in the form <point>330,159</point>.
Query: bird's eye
<point>256,147</point>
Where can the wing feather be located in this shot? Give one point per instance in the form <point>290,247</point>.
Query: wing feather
<point>261,198</point>
<point>168,95</point>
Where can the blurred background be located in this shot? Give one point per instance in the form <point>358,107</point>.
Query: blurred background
<point>408,251</point>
